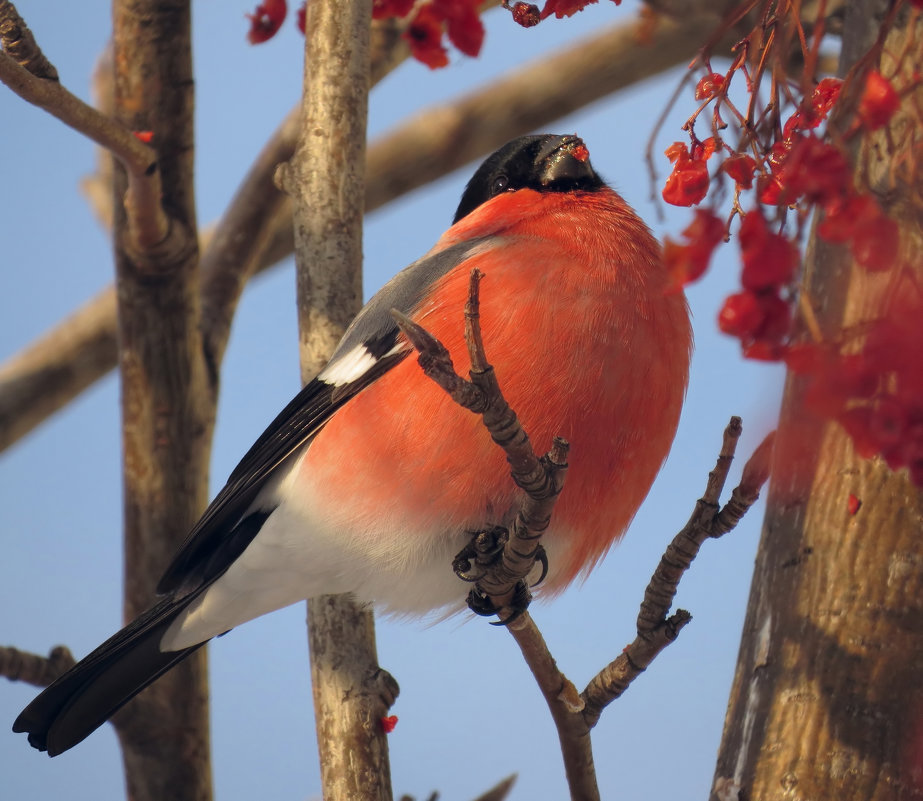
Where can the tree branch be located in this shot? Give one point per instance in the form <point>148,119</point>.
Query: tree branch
<point>33,669</point>
<point>540,479</point>
<point>237,249</point>
<point>17,40</point>
<point>326,179</point>
<point>54,369</point>
<point>655,630</point>
<point>148,223</point>
<point>167,400</point>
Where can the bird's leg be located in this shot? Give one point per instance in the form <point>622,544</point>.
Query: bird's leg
<point>472,563</point>
<point>483,549</point>
<point>481,604</point>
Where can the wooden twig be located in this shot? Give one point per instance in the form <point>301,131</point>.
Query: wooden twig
<point>499,791</point>
<point>655,630</point>
<point>540,479</point>
<point>566,707</point>
<point>17,40</point>
<point>148,222</point>
<point>34,669</point>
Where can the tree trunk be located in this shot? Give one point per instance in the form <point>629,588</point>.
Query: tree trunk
<point>326,179</point>
<point>828,692</point>
<point>168,406</point>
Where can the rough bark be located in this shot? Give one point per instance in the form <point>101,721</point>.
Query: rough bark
<point>167,401</point>
<point>828,693</point>
<point>326,181</point>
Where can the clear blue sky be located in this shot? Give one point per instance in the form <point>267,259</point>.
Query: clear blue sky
<point>60,575</point>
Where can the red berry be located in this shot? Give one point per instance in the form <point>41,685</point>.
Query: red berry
<point>424,35</point>
<point>853,504</point>
<point>769,259</point>
<point>565,8</point>
<point>709,86</point>
<point>383,9</point>
<point>463,24</point>
<point>741,169</point>
<point>741,315</point>
<point>875,244</point>
<point>266,20</point>
<point>526,14</point>
<point>824,98</point>
<point>687,262</point>
<point>879,101</point>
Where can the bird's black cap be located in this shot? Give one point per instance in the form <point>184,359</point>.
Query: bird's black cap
<point>545,163</point>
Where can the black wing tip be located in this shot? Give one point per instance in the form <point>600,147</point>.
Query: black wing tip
<point>36,730</point>
<point>39,724</point>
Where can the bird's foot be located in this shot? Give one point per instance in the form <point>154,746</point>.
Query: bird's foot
<point>484,548</point>
<point>481,604</point>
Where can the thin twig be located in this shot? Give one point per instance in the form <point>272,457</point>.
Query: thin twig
<point>499,791</point>
<point>149,223</point>
<point>540,479</point>
<point>655,630</point>
<point>17,40</point>
<point>565,705</point>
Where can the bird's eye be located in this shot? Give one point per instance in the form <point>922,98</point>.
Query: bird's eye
<point>500,184</point>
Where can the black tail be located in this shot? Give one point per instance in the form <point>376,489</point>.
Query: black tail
<point>85,697</point>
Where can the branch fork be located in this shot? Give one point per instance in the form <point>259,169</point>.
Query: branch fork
<point>26,70</point>
<point>541,479</point>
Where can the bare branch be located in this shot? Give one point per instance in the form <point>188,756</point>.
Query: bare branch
<point>447,137</point>
<point>499,791</point>
<point>149,224</point>
<point>33,669</point>
<point>167,400</point>
<point>326,180</point>
<point>240,238</point>
<point>238,247</point>
<point>17,40</point>
<point>565,705</point>
<point>541,479</point>
<point>48,374</point>
<point>655,630</point>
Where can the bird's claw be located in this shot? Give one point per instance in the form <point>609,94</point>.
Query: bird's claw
<point>541,556</point>
<point>480,604</point>
<point>471,562</point>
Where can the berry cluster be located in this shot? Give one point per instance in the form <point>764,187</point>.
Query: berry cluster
<point>460,20</point>
<point>790,167</point>
<point>267,18</point>
<point>432,21</point>
<point>874,386</point>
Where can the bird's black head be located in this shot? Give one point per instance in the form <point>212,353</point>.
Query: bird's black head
<point>545,163</point>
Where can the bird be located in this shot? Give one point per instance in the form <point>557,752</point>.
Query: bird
<point>372,479</point>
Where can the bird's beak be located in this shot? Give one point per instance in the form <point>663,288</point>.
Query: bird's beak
<point>564,158</point>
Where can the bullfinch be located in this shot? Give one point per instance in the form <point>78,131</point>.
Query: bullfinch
<point>372,479</point>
